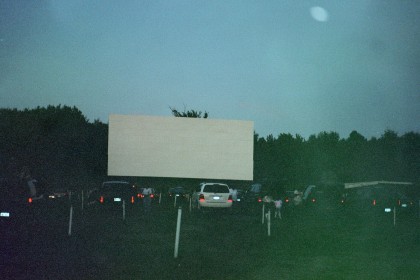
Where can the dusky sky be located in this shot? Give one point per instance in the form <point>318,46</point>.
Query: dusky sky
<point>299,67</point>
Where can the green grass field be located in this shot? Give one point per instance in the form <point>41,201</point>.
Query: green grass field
<point>232,246</point>
<point>218,245</point>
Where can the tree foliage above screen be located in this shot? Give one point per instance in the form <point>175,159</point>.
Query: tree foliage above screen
<point>189,113</point>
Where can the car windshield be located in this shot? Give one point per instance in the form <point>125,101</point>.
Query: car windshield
<point>216,188</point>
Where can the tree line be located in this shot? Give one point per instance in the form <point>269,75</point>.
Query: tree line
<point>326,158</point>
<point>58,144</point>
<point>63,148</point>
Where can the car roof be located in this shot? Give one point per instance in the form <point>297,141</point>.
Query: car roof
<point>212,183</point>
<point>107,183</point>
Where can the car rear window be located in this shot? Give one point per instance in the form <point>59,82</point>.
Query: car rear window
<point>256,188</point>
<point>116,187</point>
<point>216,188</point>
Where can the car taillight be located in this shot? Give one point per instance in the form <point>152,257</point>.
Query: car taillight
<point>313,200</point>
<point>139,195</point>
<point>374,202</point>
<point>230,198</point>
<point>101,199</point>
<point>259,199</point>
<point>287,200</point>
<point>201,198</point>
<point>151,196</point>
<point>30,200</point>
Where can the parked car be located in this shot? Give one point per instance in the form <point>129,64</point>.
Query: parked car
<point>10,201</point>
<point>155,195</point>
<point>179,192</point>
<point>178,195</point>
<point>18,204</point>
<point>113,193</point>
<point>212,195</point>
<point>254,194</point>
<point>323,197</point>
<point>380,198</point>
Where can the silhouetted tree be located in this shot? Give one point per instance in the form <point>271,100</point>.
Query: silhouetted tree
<point>189,113</point>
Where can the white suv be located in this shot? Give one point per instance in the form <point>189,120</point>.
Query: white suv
<point>212,195</point>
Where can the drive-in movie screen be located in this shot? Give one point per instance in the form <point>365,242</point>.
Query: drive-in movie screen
<point>215,140</point>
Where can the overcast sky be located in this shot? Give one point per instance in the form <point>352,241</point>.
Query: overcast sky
<point>287,66</point>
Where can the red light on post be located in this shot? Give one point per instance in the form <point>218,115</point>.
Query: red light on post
<point>101,199</point>
<point>374,202</point>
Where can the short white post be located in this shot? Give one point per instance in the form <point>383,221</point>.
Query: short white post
<point>123,208</point>
<point>190,203</point>
<point>175,201</point>
<point>160,197</point>
<point>269,223</point>
<point>178,229</point>
<point>263,211</point>
<point>82,200</point>
<point>70,219</point>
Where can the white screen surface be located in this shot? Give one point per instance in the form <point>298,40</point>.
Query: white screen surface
<point>180,147</point>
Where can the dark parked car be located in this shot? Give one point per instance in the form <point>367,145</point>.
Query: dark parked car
<point>323,197</point>
<point>259,193</point>
<point>254,194</point>
<point>11,201</point>
<point>114,193</point>
<point>381,198</point>
<point>155,195</point>
<point>179,192</point>
<point>19,206</point>
<point>178,195</point>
